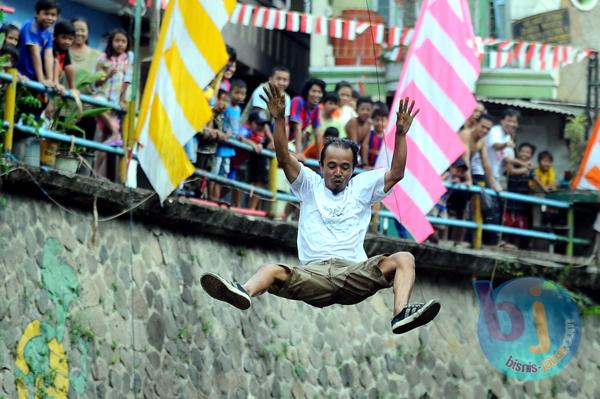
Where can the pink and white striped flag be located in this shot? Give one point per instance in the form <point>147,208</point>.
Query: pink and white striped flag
<point>440,72</point>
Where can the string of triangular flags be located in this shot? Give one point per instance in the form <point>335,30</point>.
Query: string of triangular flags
<point>499,52</point>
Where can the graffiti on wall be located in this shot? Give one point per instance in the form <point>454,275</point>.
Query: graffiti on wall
<point>42,362</point>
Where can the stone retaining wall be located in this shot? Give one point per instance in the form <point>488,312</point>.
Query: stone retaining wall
<point>109,311</point>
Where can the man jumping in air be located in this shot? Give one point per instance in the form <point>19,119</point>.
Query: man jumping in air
<point>335,211</point>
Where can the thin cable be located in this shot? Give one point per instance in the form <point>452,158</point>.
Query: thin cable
<point>69,211</point>
<point>131,285</point>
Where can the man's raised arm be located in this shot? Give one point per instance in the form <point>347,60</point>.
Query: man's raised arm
<point>275,101</point>
<point>404,119</point>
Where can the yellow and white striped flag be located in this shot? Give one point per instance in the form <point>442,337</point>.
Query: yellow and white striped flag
<point>189,53</point>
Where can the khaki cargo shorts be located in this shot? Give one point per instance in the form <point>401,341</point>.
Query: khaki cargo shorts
<point>333,281</point>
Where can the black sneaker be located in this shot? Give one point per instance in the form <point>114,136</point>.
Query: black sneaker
<point>415,315</point>
<point>228,291</point>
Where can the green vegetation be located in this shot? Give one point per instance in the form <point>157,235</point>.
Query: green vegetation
<point>272,348</point>
<point>184,332</point>
<point>299,371</point>
<point>78,333</point>
<point>575,132</point>
<point>553,387</point>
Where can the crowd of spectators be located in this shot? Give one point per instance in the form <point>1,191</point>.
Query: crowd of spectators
<point>55,53</point>
<point>492,157</point>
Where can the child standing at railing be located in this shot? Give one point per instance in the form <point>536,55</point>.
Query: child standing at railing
<point>231,128</point>
<point>117,64</point>
<point>545,176</point>
<point>517,212</point>
<point>11,34</point>
<point>35,43</point>
<point>209,138</point>
<point>64,34</point>
<point>258,166</point>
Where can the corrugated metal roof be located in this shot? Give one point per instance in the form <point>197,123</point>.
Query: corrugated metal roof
<point>558,108</point>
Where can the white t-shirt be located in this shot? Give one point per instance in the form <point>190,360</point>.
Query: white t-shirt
<point>347,113</point>
<point>497,135</point>
<point>334,226</point>
<point>256,101</point>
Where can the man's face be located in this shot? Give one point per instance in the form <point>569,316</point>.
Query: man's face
<point>281,80</point>
<point>364,111</point>
<point>238,95</point>
<point>525,153</point>
<point>345,94</point>
<point>314,95</point>
<point>479,109</point>
<point>337,168</point>
<point>510,124</point>
<point>482,128</point>
<point>330,107</point>
<point>379,124</point>
<point>64,42</point>
<point>46,18</point>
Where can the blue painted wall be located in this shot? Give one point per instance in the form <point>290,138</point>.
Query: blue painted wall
<point>99,23</point>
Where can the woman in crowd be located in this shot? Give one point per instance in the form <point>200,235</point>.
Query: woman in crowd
<point>117,64</point>
<point>83,57</point>
<point>83,60</point>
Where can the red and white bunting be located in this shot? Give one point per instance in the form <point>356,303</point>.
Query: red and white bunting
<point>293,22</point>
<point>320,25</point>
<point>379,33</point>
<point>498,59</point>
<point>532,51</point>
<point>235,15</point>
<point>336,29</point>
<point>542,56</point>
<point>306,23</point>
<point>246,14</point>
<point>361,27</point>
<point>349,30</point>
<point>270,21</point>
<point>260,17</point>
<point>407,36</point>
<point>394,36</point>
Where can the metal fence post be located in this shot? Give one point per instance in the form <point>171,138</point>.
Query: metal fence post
<point>477,218</point>
<point>128,132</point>
<point>273,185</point>
<point>9,110</point>
<point>571,231</point>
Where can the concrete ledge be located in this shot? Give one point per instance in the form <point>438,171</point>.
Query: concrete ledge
<point>182,214</point>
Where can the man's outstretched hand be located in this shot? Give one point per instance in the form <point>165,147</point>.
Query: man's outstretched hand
<point>405,116</point>
<point>275,101</point>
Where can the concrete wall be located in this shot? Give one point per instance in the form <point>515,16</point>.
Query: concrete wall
<point>584,33</point>
<point>122,307</point>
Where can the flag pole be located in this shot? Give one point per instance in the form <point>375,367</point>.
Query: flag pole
<point>129,123</point>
